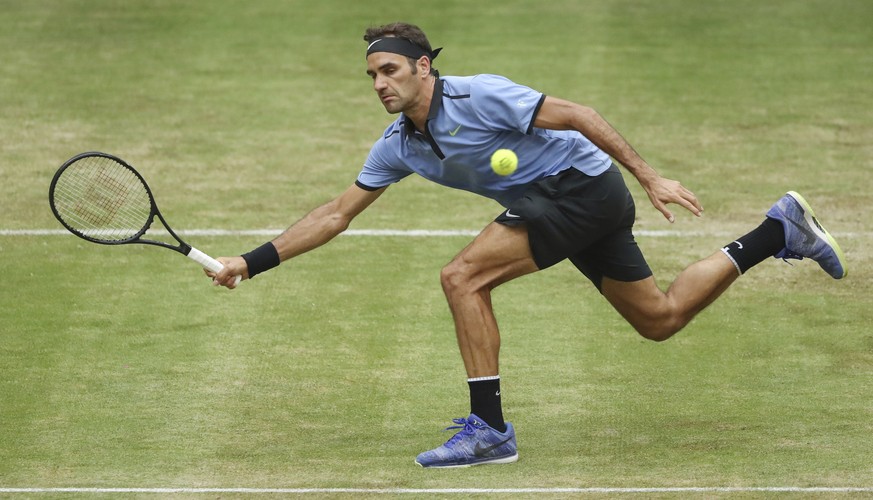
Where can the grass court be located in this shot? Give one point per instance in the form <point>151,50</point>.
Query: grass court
<point>123,368</point>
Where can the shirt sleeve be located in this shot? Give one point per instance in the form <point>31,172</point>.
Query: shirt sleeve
<point>504,105</point>
<point>382,168</point>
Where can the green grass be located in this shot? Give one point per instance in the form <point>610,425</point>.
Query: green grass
<point>123,367</point>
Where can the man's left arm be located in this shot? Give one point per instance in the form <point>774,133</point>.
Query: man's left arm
<point>558,114</point>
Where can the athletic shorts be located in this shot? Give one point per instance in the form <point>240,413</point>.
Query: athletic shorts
<point>586,219</point>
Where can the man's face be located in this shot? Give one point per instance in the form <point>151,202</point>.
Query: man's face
<point>396,85</point>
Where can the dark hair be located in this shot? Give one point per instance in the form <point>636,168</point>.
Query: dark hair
<point>406,31</point>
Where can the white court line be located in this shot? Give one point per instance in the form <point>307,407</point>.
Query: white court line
<point>398,232</point>
<point>448,491</point>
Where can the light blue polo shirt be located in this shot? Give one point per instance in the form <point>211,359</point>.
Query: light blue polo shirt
<point>474,117</point>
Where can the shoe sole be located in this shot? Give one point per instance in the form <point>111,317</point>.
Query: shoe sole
<point>823,233</point>
<point>502,460</point>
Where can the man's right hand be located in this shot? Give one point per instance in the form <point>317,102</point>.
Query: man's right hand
<point>233,267</point>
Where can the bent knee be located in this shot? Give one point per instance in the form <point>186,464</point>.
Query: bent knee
<point>454,276</point>
<point>660,329</point>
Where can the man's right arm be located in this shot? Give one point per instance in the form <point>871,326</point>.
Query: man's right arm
<point>315,229</point>
<point>324,223</point>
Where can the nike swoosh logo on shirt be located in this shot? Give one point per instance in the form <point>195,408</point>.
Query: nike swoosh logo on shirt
<point>512,215</point>
<point>454,132</point>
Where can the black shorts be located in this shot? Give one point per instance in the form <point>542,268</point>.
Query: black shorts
<point>586,219</point>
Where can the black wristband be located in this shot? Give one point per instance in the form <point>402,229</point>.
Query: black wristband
<point>261,259</point>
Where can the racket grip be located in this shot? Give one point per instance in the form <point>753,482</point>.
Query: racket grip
<point>209,263</point>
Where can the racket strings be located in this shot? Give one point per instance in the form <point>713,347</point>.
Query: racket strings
<point>102,199</point>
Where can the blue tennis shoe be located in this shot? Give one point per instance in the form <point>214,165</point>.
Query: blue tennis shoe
<point>806,237</point>
<point>475,444</point>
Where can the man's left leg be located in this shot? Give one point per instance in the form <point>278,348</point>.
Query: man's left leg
<point>790,231</point>
<point>657,315</point>
<point>498,254</point>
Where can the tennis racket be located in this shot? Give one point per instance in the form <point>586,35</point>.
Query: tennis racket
<point>100,198</point>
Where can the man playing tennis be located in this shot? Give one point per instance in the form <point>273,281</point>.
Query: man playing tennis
<point>566,200</point>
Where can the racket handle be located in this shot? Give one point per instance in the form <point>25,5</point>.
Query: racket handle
<point>209,263</point>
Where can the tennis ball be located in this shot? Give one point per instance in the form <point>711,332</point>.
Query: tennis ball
<point>504,162</point>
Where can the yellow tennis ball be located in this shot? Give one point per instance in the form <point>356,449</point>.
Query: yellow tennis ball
<point>504,162</point>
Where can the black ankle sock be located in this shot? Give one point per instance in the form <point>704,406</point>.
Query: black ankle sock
<point>485,401</point>
<point>762,242</point>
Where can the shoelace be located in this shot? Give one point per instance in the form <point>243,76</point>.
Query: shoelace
<point>467,429</point>
<point>790,255</point>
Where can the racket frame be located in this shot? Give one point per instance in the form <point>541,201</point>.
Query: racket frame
<point>183,247</point>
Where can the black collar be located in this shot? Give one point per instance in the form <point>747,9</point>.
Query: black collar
<point>436,105</point>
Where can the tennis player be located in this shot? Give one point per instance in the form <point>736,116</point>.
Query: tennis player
<point>566,200</point>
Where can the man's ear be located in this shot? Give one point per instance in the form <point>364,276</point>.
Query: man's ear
<point>423,65</point>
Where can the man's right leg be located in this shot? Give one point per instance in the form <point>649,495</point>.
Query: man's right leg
<point>500,253</point>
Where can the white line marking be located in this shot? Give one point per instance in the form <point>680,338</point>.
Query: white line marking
<point>664,233</point>
<point>447,491</point>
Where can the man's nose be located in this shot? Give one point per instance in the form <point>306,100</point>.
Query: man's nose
<point>378,83</point>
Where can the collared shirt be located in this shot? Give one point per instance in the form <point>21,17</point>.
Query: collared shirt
<point>470,118</point>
